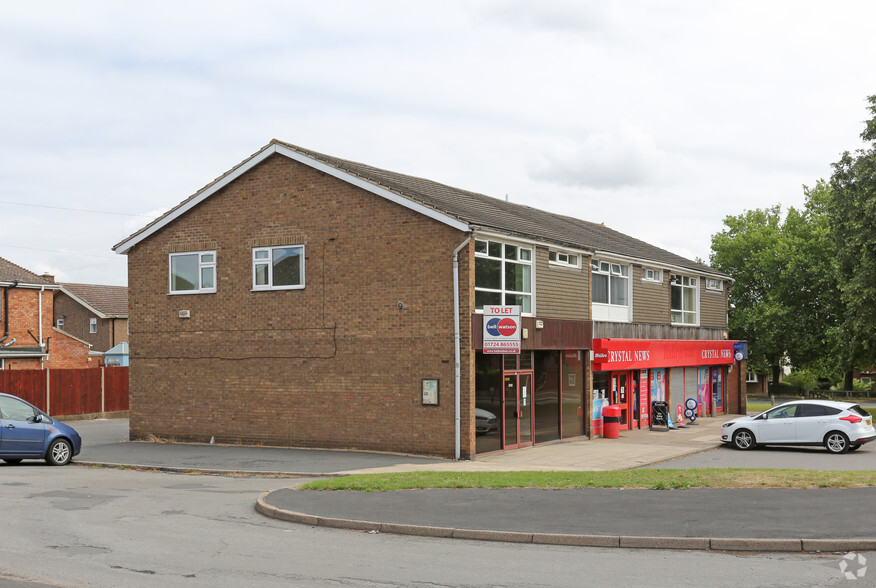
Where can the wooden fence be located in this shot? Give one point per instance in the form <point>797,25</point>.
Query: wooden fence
<point>70,392</point>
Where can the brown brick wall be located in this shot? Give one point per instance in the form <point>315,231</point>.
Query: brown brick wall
<point>77,323</point>
<point>24,327</point>
<point>335,364</point>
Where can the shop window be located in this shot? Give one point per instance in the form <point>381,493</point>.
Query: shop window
<point>684,300</point>
<point>611,291</point>
<point>193,272</point>
<point>503,275</point>
<point>488,402</point>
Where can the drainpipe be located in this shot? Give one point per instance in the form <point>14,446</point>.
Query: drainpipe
<point>43,289</point>
<point>457,354</point>
<point>6,309</point>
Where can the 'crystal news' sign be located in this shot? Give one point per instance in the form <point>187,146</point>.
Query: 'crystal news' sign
<point>501,329</point>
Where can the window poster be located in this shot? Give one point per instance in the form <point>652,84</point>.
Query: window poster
<point>658,385</point>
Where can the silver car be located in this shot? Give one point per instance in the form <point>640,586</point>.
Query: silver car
<point>839,426</point>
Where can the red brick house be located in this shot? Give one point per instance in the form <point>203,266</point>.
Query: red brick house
<point>306,300</point>
<point>94,313</point>
<point>28,339</point>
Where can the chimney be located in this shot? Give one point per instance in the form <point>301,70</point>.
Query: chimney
<point>48,277</point>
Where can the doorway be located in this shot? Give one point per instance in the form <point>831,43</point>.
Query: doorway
<point>517,409</point>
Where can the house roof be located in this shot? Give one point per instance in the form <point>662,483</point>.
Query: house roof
<point>460,208</point>
<point>106,301</point>
<point>10,273</point>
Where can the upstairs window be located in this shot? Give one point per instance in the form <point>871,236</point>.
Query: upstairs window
<point>59,323</point>
<point>685,298</point>
<point>92,325</point>
<point>193,273</point>
<point>611,290</point>
<point>564,259</point>
<point>714,284</point>
<point>278,268</point>
<point>652,275</point>
<point>503,275</point>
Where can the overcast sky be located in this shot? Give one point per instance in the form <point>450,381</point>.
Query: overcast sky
<point>657,119</point>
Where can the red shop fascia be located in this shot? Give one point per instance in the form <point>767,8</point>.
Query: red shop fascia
<point>630,368</point>
<point>634,354</point>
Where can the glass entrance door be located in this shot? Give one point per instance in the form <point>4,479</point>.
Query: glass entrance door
<point>517,410</point>
<point>620,396</point>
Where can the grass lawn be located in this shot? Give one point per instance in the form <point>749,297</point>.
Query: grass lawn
<point>649,479</point>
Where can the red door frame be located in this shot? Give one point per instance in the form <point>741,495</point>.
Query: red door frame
<point>517,418</point>
<point>627,411</point>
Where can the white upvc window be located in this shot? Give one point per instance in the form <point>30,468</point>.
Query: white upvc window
<point>564,259</point>
<point>684,300</point>
<point>59,323</point>
<point>712,284</point>
<point>278,268</point>
<point>92,325</point>
<point>193,272</point>
<point>503,275</point>
<point>751,377</point>
<point>652,275</point>
<point>611,291</point>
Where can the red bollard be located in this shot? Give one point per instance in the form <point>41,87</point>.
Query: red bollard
<point>611,416</point>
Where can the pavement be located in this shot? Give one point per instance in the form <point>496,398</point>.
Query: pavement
<point>703,519</point>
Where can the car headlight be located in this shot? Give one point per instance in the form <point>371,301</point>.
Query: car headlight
<point>725,425</point>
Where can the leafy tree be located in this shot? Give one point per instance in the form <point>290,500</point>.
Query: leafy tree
<point>750,251</point>
<point>784,300</point>
<point>851,213</point>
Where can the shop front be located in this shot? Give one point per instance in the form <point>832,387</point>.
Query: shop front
<point>536,395</point>
<point>635,373</point>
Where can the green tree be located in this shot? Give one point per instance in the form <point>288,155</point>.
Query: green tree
<point>750,251</point>
<point>851,213</point>
<point>784,300</point>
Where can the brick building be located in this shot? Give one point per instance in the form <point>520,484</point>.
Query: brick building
<point>94,313</point>
<point>306,300</point>
<point>28,339</point>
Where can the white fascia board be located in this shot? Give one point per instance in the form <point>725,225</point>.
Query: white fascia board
<point>30,286</point>
<point>482,234</point>
<point>656,265</point>
<point>259,157</point>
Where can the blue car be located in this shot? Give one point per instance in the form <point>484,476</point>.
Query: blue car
<point>26,432</point>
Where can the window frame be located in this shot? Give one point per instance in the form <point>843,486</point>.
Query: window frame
<point>611,311</point>
<point>656,275</point>
<point>92,326</point>
<point>269,263</point>
<point>714,284</point>
<point>557,261</point>
<point>59,323</point>
<point>503,259</point>
<point>694,285</point>
<point>202,265</point>
<point>751,378</point>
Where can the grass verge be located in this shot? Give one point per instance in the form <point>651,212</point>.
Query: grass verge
<point>643,478</point>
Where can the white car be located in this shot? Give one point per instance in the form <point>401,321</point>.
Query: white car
<point>839,426</point>
<point>485,421</point>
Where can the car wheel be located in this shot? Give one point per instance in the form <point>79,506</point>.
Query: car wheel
<point>855,447</point>
<point>60,452</point>
<point>836,442</point>
<point>11,461</point>
<point>743,439</point>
